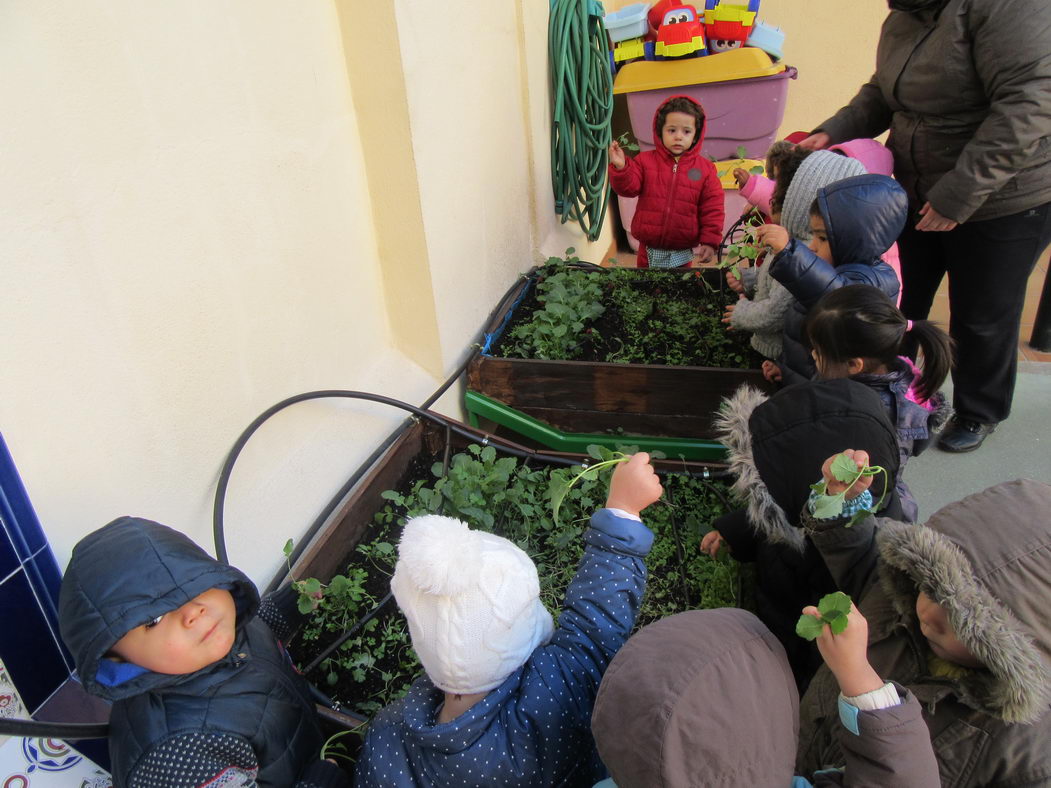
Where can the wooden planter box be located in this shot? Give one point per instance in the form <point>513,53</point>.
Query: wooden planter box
<point>592,397</point>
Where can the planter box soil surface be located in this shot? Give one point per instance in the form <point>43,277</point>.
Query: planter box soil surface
<point>510,497</point>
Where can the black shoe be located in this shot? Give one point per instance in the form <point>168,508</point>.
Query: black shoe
<point>964,435</point>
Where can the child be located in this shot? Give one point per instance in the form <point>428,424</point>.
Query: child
<point>857,332</point>
<point>763,303</point>
<point>203,693</point>
<point>852,222</point>
<point>706,698</point>
<point>505,700</point>
<point>775,447</point>
<point>680,195</point>
<point>957,612</point>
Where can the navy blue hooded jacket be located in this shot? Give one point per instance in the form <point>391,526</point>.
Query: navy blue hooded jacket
<point>245,720</point>
<point>863,217</point>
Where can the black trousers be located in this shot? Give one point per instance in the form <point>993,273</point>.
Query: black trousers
<point>988,264</point>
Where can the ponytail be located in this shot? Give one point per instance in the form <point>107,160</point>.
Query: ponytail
<point>936,347</point>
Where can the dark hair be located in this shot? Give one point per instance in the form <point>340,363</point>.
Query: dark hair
<point>859,321</point>
<point>783,158</point>
<point>815,208</point>
<point>685,105</point>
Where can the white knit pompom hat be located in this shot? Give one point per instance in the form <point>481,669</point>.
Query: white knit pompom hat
<point>472,600</point>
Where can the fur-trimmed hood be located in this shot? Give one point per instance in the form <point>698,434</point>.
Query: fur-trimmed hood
<point>987,560</point>
<point>776,446</point>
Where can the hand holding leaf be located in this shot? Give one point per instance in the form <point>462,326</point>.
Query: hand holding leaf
<point>842,638</point>
<point>846,476</point>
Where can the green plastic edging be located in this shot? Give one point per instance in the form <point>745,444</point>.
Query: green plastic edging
<point>686,448</point>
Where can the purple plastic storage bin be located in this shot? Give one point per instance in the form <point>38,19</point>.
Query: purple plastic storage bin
<point>744,112</point>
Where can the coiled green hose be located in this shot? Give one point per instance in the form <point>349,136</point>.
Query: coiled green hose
<point>582,105</point>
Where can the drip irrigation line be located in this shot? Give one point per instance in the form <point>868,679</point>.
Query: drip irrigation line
<point>38,729</point>
<point>678,549</point>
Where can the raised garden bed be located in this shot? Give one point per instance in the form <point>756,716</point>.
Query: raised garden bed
<point>491,488</point>
<point>622,352</point>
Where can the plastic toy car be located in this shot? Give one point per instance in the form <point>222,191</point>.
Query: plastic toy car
<point>680,34</point>
<point>728,25</point>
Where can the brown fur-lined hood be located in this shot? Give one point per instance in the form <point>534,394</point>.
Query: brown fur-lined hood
<point>987,560</point>
<point>776,447</point>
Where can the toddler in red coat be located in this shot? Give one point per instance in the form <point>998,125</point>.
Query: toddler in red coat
<point>680,195</point>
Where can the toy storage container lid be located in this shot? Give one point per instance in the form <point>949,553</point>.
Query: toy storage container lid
<point>744,63</point>
<point>629,22</point>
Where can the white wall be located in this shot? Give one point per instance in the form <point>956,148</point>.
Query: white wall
<point>186,239</point>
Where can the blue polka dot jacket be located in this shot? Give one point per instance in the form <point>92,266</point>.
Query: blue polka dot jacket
<point>534,729</point>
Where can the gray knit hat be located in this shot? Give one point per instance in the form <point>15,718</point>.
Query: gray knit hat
<point>816,171</point>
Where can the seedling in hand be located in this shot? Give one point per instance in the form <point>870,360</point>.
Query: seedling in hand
<point>560,488</point>
<point>845,470</point>
<point>746,248</point>
<point>628,143</point>
<point>834,609</point>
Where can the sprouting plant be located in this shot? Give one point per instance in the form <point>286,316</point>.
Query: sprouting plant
<point>628,142</point>
<point>745,248</point>
<point>833,608</point>
<point>845,470</point>
<point>740,161</point>
<point>337,750</point>
<point>560,486</point>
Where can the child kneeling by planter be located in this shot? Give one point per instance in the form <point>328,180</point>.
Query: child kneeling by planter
<point>507,698</point>
<point>203,693</point>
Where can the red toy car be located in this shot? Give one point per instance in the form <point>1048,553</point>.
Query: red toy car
<point>680,34</point>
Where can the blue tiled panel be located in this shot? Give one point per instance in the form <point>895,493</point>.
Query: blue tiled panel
<point>28,648</point>
<point>8,556</point>
<point>15,509</point>
<point>43,573</point>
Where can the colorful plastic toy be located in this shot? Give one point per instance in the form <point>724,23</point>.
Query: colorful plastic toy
<point>627,29</point>
<point>768,38</point>
<point>728,25</point>
<point>680,34</point>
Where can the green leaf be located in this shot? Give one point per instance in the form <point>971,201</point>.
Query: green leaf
<point>306,605</point>
<point>837,622</point>
<point>809,627</point>
<point>311,585</point>
<point>742,152</point>
<point>820,488</point>
<point>844,468</point>
<point>836,602</point>
<point>828,506</point>
<point>756,170</point>
<point>596,452</point>
<point>287,549</point>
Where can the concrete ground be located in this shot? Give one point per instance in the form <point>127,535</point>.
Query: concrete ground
<point>1020,448</point>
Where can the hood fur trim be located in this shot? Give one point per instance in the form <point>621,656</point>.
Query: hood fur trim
<point>731,429</point>
<point>1017,685</point>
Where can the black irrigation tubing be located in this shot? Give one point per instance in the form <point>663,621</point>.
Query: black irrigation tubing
<point>38,729</point>
<point>678,549</point>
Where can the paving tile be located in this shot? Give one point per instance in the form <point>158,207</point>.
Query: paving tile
<point>47,763</point>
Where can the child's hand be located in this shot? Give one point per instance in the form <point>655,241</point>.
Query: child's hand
<point>729,313</point>
<point>846,654</point>
<point>834,487</point>
<point>706,254</point>
<point>634,485</point>
<point>616,155</point>
<point>773,235</point>
<point>711,543</point>
<point>741,176</point>
<point>771,372</point>
<point>734,283</point>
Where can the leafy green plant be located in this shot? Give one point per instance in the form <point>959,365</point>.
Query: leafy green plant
<point>746,248</point>
<point>834,609</point>
<point>845,470</point>
<point>571,300</point>
<point>606,459</point>
<point>731,164</point>
<point>628,142</point>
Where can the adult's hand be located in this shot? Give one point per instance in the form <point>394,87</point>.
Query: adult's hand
<point>934,222</point>
<point>817,141</point>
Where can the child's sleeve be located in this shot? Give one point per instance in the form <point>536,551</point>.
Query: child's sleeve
<point>850,553</point>
<point>712,208</point>
<point>627,182</point>
<point>765,315</point>
<point>758,190</point>
<point>279,610</point>
<point>216,759</point>
<point>808,277</point>
<point>602,602</point>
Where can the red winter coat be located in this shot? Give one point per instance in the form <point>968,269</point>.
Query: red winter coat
<point>680,202</point>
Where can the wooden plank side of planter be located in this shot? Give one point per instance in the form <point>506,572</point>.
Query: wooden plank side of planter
<point>585,396</point>
<point>326,555</point>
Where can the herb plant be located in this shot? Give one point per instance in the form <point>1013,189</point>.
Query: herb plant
<point>731,164</point>
<point>744,249</point>
<point>845,470</point>
<point>834,609</point>
<point>628,143</point>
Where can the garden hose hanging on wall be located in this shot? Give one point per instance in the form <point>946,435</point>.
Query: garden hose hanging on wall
<point>581,108</point>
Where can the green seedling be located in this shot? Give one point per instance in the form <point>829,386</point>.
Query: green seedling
<point>845,470</point>
<point>834,609</point>
<point>746,248</point>
<point>732,164</point>
<point>628,143</point>
<point>560,488</point>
